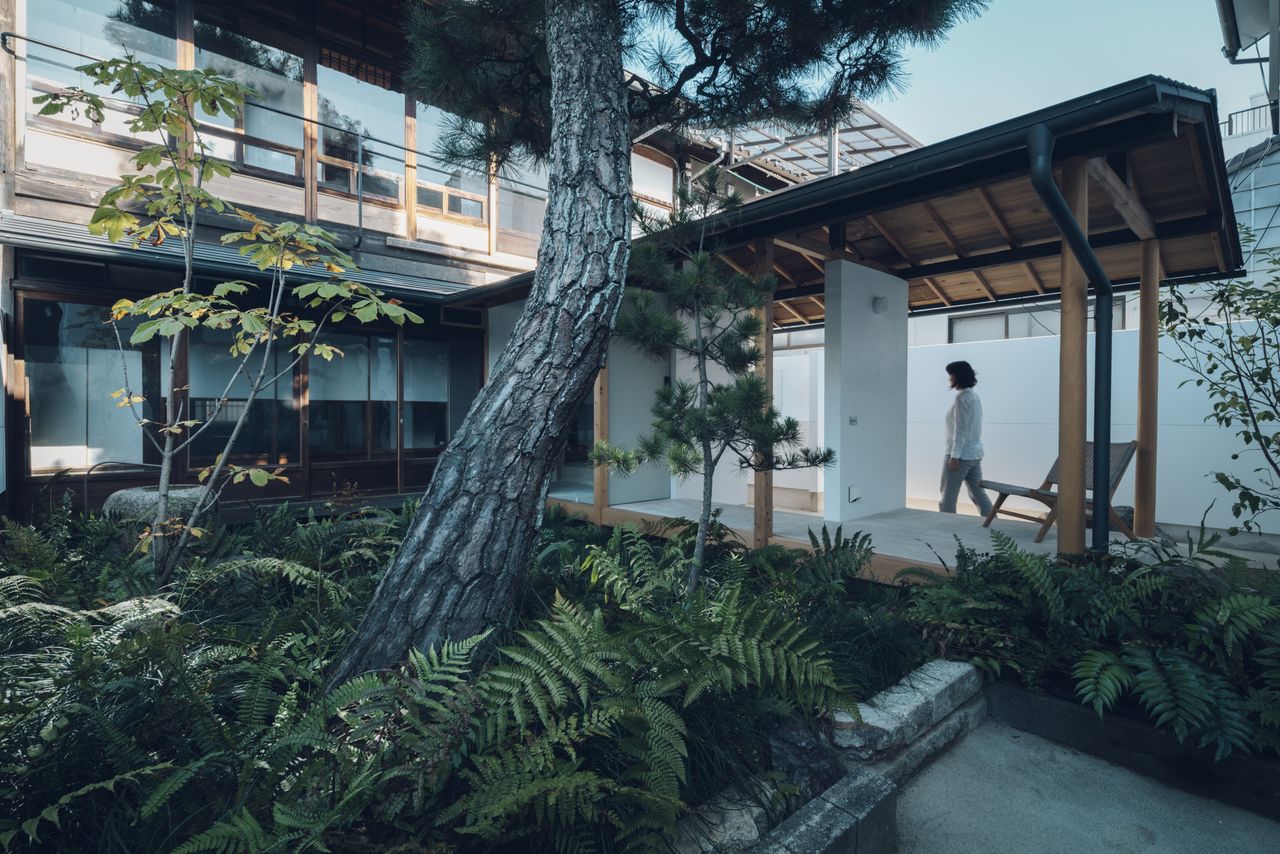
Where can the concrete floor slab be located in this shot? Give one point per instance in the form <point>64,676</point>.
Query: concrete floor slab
<point>1001,791</point>
<point>912,535</point>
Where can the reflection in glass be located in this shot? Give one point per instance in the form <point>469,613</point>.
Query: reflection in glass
<point>426,396</point>
<point>101,29</point>
<point>522,198</point>
<point>73,364</point>
<point>275,78</point>
<point>351,108</point>
<point>270,433</point>
<point>434,172</point>
<point>353,398</point>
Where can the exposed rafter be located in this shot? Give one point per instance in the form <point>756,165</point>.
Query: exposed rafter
<point>1123,198</point>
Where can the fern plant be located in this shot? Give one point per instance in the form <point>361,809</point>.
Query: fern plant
<point>1186,637</point>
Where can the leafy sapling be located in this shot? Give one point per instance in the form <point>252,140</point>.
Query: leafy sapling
<point>163,198</point>
<point>683,298</point>
<point>1231,345</point>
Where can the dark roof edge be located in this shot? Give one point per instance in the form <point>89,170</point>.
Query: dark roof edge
<point>1149,94</point>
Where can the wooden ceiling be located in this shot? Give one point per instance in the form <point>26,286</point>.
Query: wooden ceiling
<point>995,241</point>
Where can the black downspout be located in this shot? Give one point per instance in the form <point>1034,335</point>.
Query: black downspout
<point>1040,147</point>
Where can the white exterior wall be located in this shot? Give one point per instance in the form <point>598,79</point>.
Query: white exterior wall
<point>634,379</point>
<point>866,392</point>
<point>732,484</point>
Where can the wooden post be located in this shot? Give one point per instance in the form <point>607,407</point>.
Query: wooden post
<point>186,46</point>
<point>1144,493</point>
<point>600,474</point>
<point>1073,383</point>
<point>310,132</point>
<point>762,483</point>
<point>410,168</point>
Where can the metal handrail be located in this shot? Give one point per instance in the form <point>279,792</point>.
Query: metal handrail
<point>1248,120</point>
<point>400,146</point>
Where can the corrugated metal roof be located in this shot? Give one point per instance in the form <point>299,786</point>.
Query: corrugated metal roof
<point>53,236</point>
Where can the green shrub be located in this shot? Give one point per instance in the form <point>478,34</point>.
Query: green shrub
<point>1191,640</point>
<point>197,719</point>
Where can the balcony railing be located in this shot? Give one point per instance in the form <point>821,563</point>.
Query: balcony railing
<point>354,176</point>
<point>1251,120</point>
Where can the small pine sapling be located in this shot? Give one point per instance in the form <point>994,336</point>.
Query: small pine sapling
<point>683,298</point>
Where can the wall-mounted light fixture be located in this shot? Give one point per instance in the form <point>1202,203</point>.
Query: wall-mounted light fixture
<point>879,305</point>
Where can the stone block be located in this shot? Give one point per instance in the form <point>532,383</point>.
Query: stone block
<point>728,822</point>
<point>897,715</point>
<point>857,815</point>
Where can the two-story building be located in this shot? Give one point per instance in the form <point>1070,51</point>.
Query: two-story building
<point>331,136</point>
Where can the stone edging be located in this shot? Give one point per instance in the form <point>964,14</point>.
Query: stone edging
<point>900,729</point>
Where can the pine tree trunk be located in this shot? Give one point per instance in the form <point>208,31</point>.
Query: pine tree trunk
<point>472,538</point>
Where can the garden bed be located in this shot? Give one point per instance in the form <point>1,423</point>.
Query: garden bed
<point>1241,780</point>
<point>894,735</point>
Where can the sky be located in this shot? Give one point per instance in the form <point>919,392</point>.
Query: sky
<point>1021,55</point>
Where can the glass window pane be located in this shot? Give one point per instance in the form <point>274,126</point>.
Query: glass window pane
<point>103,29</point>
<point>73,364</point>
<point>353,398</point>
<point>270,433</point>
<point>522,198</point>
<point>274,76</point>
<point>463,206</point>
<point>426,396</point>
<point>351,106</point>
<point>980,327</point>
<point>429,198</point>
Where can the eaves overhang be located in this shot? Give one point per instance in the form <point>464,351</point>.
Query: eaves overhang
<point>1147,114</point>
<point>35,233</point>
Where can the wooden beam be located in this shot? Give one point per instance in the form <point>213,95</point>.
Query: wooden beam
<point>821,304</point>
<point>997,218</point>
<point>1036,281</point>
<point>808,247</point>
<point>1123,198</point>
<point>1073,398</point>
<point>734,265</point>
<point>600,425</point>
<point>937,290</point>
<point>1144,488</point>
<point>310,136</point>
<point>947,236</point>
<point>816,264</point>
<point>411,177</point>
<point>889,238</point>
<point>986,286</point>
<point>782,304</point>
<point>762,483</point>
<point>782,273</point>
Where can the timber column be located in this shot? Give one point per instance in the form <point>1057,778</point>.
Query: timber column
<point>762,481</point>
<point>1073,369</point>
<point>1144,493</point>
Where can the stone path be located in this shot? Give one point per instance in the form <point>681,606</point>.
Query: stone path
<point>1002,791</point>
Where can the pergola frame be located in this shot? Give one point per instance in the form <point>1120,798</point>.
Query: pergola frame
<point>1141,168</point>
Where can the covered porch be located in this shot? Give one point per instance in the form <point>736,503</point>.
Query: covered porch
<point>1137,198</point>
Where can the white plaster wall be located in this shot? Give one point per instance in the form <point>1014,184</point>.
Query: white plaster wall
<point>502,322</point>
<point>633,381</point>
<point>797,392</point>
<point>866,392</point>
<point>732,484</point>
<point>1018,385</point>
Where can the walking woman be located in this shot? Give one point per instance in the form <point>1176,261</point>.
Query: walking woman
<point>963,462</point>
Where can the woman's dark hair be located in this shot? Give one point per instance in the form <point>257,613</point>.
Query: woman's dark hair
<point>963,372</point>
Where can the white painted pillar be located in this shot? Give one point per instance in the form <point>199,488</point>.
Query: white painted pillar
<point>866,392</point>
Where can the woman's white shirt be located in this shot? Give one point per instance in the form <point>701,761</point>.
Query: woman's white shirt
<point>964,426</point>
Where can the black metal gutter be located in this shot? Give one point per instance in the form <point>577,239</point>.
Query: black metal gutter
<point>1040,146</point>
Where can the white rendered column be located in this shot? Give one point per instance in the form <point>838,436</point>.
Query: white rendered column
<point>866,392</point>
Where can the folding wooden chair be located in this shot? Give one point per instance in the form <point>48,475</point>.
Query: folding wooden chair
<point>1046,493</point>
